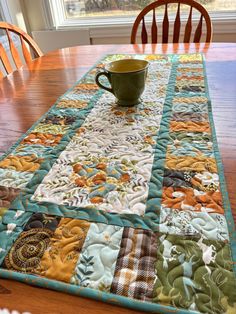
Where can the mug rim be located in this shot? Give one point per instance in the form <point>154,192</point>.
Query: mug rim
<point>126,60</point>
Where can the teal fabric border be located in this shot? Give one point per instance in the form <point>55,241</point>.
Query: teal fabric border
<point>155,187</point>
<point>224,192</point>
<point>93,294</point>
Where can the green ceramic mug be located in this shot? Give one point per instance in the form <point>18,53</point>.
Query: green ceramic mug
<point>127,79</point>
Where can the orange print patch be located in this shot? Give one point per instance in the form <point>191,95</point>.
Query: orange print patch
<point>42,139</point>
<point>184,199</point>
<point>190,126</point>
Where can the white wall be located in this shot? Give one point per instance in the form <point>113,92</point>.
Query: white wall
<point>35,14</point>
<point>51,40</point>
<point>18,18</point>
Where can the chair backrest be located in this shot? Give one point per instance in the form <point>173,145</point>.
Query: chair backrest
<point>193,6</point>
<point>17,55</point>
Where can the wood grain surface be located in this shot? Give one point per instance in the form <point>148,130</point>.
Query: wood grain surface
<point>29,92</point>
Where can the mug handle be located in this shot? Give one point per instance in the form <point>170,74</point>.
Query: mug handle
<point>99,84</point>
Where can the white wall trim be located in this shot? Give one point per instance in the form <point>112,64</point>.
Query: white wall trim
<point>56,16</point>
<point>220,26</point>
<point>5,11</point>
<point>54,39</point>
<point>47,15</point>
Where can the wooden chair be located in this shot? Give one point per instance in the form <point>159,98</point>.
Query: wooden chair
<point>13,52</point>
<point>194,6</point>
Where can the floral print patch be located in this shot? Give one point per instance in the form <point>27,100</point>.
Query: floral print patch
<point>108,162</point>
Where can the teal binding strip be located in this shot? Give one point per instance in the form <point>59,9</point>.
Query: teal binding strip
<point>93,294</point>
<point>155,187</point>
<point>225,196</point>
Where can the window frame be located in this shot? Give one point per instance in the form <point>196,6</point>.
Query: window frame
<point>6,15</point>
<point>4,10</point>
<point>56,18</point>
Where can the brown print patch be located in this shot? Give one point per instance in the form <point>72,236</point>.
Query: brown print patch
<point>28,249</point>
<point>134,273</point>
<point>186,70</point>
<point>7,195</point>
<point>51,119</point>
<point>190,116</point>
<point>192,78</point>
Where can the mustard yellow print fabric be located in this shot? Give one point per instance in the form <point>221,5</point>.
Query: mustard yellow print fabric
<point>59,261</point>
<point>25,163</point>
<point>69,103</point>
<point>187,163</point>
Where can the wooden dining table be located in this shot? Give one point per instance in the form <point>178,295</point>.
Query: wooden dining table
<point>29,92</point>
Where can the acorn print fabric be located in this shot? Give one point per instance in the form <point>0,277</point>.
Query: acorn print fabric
<point>126,205</point>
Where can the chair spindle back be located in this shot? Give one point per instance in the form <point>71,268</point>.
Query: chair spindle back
<point>188,30</point>
<point>13,52</point>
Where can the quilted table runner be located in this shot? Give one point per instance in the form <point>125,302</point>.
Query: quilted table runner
<point>124,205</point>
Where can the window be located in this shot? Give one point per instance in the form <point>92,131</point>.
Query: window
<point>89,13</point>
<point>5,16</point>
<point>4,11</point>
<point>75,9</point>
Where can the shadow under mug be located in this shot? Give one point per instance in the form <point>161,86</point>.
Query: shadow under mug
<point>127,79</point>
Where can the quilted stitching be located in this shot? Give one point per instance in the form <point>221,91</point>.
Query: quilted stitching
<point>123,201</point>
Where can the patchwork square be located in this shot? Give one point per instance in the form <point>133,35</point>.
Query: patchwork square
<point>42,139</point>
<point>21,163</point>
<point>97,261</point>
<point>7,195</point>
<point>134,274</point>
<point>190,271</point>
<point>15,179</point>
<point>202,224</point>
